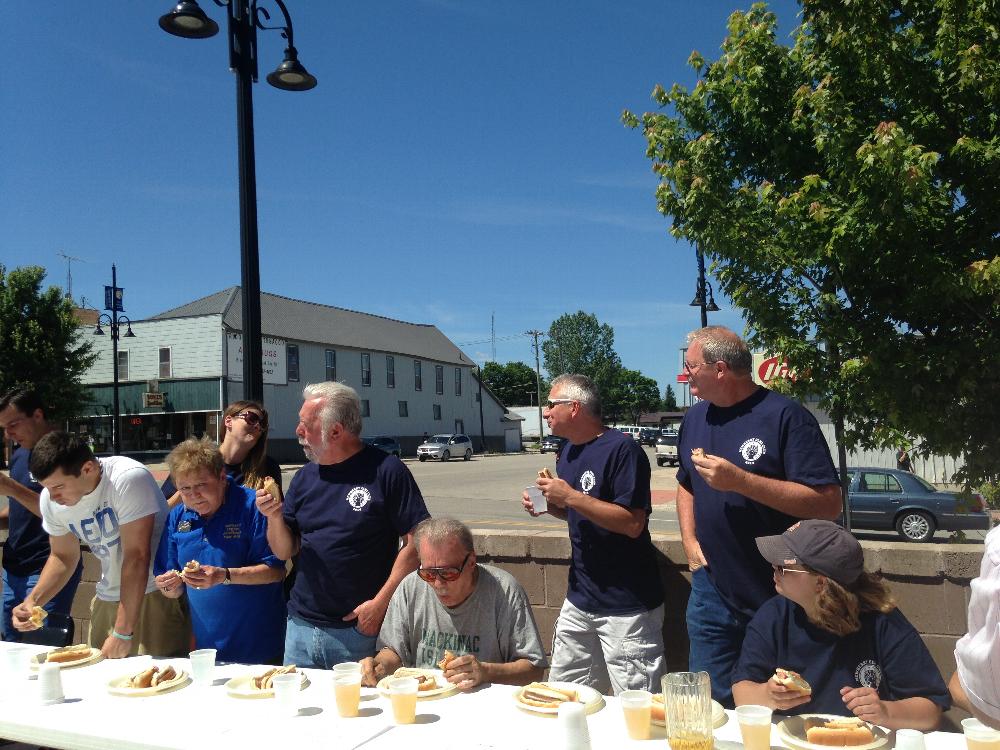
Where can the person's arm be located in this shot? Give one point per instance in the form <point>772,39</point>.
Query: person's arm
<point>24,495</point>
<point>685,519</point>
<point>58,569</point>
<point>467,672</point>
<point>249,575</point>
<point>794,499</point>
<point>906,713</point>
<point>770,694</point>
<point>609,515</point>
<point>135,537</point>
<point>369,614</point>
<point>374,668</point>
<point>961,699</point>
<point>280,538</point>
<point>552,510</point>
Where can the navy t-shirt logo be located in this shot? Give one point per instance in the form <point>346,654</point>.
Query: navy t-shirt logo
<point>359,497</point>
<point>868,674</point>
<point>752,449</point>
<point>587,481</point>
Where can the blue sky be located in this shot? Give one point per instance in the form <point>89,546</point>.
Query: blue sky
<point>459,159</point>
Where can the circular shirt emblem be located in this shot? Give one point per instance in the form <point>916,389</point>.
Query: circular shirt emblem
<point>184,526</point>
<point>868,674</point>
<point>587,481</point>
<point>752,449</point>
<point>359,497</point>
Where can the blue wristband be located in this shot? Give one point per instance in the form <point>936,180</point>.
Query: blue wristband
<point>120,636</point>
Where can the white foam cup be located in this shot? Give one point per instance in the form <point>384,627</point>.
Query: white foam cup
<point>50,689</point>
<point>573,723</point>
<point>286,691</point>
<point>17,660</point>
<point>202,665</point>
<point>347,667</point>
<point>910,739</point>
<point>538,501</point>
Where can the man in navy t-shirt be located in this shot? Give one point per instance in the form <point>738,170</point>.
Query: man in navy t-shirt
<point>344,515</point>
<point>609,631</point>
<point>22,418</point>
<point>764,465</point>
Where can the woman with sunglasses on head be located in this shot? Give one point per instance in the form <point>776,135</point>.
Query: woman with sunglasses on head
<point>837,625</point>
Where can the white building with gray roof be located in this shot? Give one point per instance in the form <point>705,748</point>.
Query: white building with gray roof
<point>411,378</point>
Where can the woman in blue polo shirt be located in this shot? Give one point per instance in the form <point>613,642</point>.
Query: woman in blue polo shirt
<point>235,598</point>
<point>836,625</point>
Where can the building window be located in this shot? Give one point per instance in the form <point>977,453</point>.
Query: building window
<point>439,379</point>
<point>164,361</point>
<point>366,409</point>
<point>437,412</point>
<point>403,410</point>
<point>366,369</point>
<point>458,381</point>
<point>418,379</point>
<point>390,371</point>
<point>292,355</point>
<point>123,364</point>
<point>331,365</point>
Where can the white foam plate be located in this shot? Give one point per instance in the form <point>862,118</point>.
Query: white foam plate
<point>592,700</point>
<point>242,687</point>
<point>94,657</point>
<point>120,686</point>
<point>792,731</point>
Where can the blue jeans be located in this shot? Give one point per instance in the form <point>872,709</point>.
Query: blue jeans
<point>308,645</point>
<point>716,633</point>
<point>15,588</point>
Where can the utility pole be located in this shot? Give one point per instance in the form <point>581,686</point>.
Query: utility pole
<point>538,378</point>
<point>482,424</point>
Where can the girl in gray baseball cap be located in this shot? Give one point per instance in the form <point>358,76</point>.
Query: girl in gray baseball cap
<point>836,625</point>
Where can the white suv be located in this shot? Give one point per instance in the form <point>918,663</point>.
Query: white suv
<point>666,449</point>
<point>443,447</point>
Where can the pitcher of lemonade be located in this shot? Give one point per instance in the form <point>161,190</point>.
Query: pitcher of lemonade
<point>687,697</point>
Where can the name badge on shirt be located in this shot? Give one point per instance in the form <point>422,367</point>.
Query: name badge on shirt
<point>184,526</point>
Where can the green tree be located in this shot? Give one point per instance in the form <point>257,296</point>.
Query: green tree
<point>38,341</point>
<point>845,189</point>
<point>579,343</point>
<point>631,395</point>
<point>513,383</point>
<point>669,399</point>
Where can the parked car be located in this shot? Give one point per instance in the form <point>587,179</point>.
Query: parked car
<point>443,447</point>
<point>893,499</point>
<point>648,436</point>
<point>666,449</point>
<point>551,444</point>
<point>388,444</point>
<point>629,429</point>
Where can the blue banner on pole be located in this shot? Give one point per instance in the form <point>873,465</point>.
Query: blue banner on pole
<point>113,298</point>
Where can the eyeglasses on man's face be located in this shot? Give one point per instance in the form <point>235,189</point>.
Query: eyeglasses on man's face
<point>252,418</point>
<point>556,401</point>
<point>447,574</point>
<point>692,368</point>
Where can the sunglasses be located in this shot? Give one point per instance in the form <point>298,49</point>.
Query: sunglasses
<point>555,401</point>
<point>252,418</point>
<point>447,574</point>
<point>782,570</point>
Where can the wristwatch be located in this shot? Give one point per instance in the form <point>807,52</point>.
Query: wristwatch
<point>229,579</point>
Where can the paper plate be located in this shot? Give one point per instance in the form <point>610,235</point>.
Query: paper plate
<point>242,687</point>
<point>444,687</point>
<point>592,700</point>
<point>92,658</point>
<point>120,686</point>
<point>719,715</point>
<point>792,731</point>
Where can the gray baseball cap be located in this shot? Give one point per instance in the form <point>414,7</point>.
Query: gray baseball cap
<point>821,545</point>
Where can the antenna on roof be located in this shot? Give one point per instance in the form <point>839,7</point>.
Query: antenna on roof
<point>69,273</point>
<point>493,336</point>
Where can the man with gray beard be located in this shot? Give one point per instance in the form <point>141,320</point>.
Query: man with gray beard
<point>348,516</point>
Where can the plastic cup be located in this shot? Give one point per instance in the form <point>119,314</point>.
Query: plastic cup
<point>538,502</point>
<point>978,736</point>
<point>755,726</point>
<point>286,692</point>
<point>347,692</point>
<point>637,706</point>
<point>573,725</point>
<point>50,689</point>
<point>910,739</point>
<point>403,696</point>
<point>202,665</point>
<point>347,667</point>
<point>17,660</point>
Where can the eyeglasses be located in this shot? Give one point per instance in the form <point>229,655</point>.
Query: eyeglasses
<point>448,574</point>
<point>782,570</point>
<point>691,368</point>
<point>556,401</point>
<point>252,418</point>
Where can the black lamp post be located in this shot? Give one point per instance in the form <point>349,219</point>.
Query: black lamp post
<point>113,321</point>
<point>703,296</point>
<point>188,20</point>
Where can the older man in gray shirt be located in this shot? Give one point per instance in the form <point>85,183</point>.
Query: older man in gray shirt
<point>451,603</point>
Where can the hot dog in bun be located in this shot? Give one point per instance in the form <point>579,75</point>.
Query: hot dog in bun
<point>443,664</point>
<point>271,488</point>
<point>846,732</point>
<point>697,452</point>
<point>68,653</point>
<point>192,566</point>
<point>545,473</point>
<point>425,680</point>
<point>266,681</point>
<point>542,695</point>
<point>164,675</point>
<point>792,680</point>
<point>38,615</point>
<point>144,679</point>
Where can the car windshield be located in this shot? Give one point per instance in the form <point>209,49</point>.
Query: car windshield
<point>668,440</point>
<point>438,439</point>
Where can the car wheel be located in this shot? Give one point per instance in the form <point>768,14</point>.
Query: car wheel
<point>915,526</point>
<point>445,456</point>
<point>422,458</point>
<point>468,454</point>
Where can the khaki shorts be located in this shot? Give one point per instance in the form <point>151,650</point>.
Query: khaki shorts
<point>163,627</point>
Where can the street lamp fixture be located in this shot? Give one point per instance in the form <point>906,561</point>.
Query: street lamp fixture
<point>245,17</point>
<point>113,301</point>
<point>703,296</point>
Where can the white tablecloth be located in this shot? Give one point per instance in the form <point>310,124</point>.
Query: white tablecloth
<point>199,717</point>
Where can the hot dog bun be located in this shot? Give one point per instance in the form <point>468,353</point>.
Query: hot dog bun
<point>68,653</point>
<point>792,680</point>
<point>443,664</point>
<point>271,488</point>
<point>166,674</point>
<point>545,473</point>
<point>847,732</point>
<point>191,566</point>
<point>426,682</point>
<point>38,615</point>
<point>266,681</point>
<point>658,710</point>
<point>144,679</point>
<point>699,452</point>
<point>543,695</point>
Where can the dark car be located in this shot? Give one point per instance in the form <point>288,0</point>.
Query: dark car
<point>892,499</point>
<point>648,435</point>
<point>551,444</point>
<point>388,444</point>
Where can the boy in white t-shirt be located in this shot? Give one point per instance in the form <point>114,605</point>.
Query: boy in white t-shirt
<point>115,507</point>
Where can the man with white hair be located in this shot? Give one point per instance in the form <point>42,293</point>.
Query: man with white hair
<point>348,517</point>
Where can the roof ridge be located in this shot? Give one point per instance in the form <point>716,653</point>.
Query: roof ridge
<point>346,309</point>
